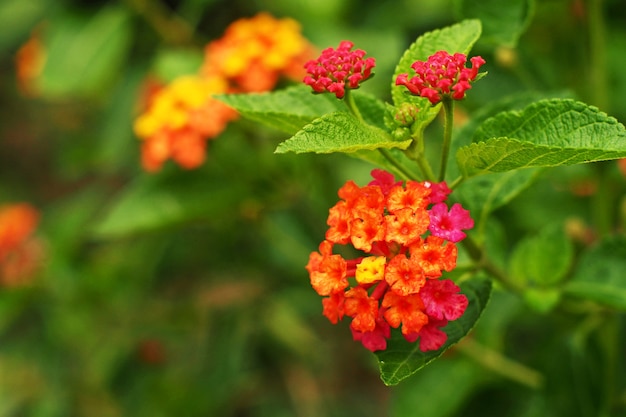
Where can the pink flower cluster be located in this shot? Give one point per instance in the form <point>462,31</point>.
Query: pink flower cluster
<point>338,69</point>
<point>442,75</point>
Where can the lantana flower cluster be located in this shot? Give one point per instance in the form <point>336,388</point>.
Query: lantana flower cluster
<point>337,69</point>
<point>441,75</point>
<point>182,116</point>
<point>407,236</point>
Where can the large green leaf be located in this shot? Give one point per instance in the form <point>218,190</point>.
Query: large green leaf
<point>600,274</point>
<point>547,133</point>
<point>289,110</point>
<point>339,132</point>
<point>501,25</point>
<point>402,359</point>
<point>456,38</point>
<point>84,54</point>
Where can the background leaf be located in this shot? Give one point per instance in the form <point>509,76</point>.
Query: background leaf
<point>402,359</point>
<point>502,26</point>
<point>154,203</point>
<point>545,134</point>
<point>600,274</point>
<point>85,53</point>
<point>544,259</point>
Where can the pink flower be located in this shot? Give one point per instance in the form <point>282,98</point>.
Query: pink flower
<point>338,69</point>
<point>431,336</point>
<point>376,339</point>
<point>442,300</point>
<point>441,75</point>
<point>448,225</point>
<point>385,180</point>
<point>439,191</point>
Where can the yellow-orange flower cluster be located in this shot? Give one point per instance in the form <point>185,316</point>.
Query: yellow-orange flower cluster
<point>251,57</point>
<point>20,253</point>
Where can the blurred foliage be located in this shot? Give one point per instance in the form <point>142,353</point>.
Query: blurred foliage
<point>184,292</point>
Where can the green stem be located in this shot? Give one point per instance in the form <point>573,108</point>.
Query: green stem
<point>597,44</point>
<point>170,27</point>
<point>602,203</point>
<point>448,118</point>
<point>348,99</point>
<point>416,153</point>
<point>456,182</point>
<point>393,161</point>
<point>479,256</point>
<point>500,364</point>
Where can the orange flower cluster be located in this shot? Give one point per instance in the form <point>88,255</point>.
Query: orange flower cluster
<point>397,282</point>
<point>19,251</point>
<point>251,57</point>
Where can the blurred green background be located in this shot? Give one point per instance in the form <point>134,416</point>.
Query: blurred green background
<point>183,293</point>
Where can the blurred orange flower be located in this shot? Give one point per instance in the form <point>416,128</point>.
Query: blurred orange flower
<point>255,52</point>
<point>180,119</point>
<point>29,62</point>
<point>182,116</point>
<point>20,252</point>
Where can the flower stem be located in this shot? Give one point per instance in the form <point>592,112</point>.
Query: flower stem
<point>448,119</point>
<point>500,364</point>
<point>393,161</point>
<point>478,255</point>
<point>456,182</point>
<point>597,40</point>
<point>348,98</point>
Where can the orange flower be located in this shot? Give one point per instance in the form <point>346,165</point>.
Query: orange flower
<point>251,57</point>
<point>20,253</point>
<point>180,119</point>
<point>29,63</point>
<point>255,52</point>
<point>408,311</point>
<point>389,221</point>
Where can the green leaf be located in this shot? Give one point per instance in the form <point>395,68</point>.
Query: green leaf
<point>501,25</point>
<point>18,18</point>
<point>84,54</point>
<point>484,194</point>
<point>171,63</point>
<point>339,132</point>
<point>402,359</point>
<point>542,260</point>
<point>547,133</point>
<point>152,203</point>
<point>456,38</point>
<point>424,393</point>
<point>289,110</point>
<point>600,274</point>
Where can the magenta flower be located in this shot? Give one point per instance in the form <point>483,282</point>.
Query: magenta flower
<point>441,75</point>
<point>338,69</point>
<point>439,191</point>
<point>442,299</point>
<point>431,336</point>
<point>449,225</point>
<point>375,339</point>
<point>383,179</point>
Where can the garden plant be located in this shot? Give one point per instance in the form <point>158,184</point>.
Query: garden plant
<point>342,208</point>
